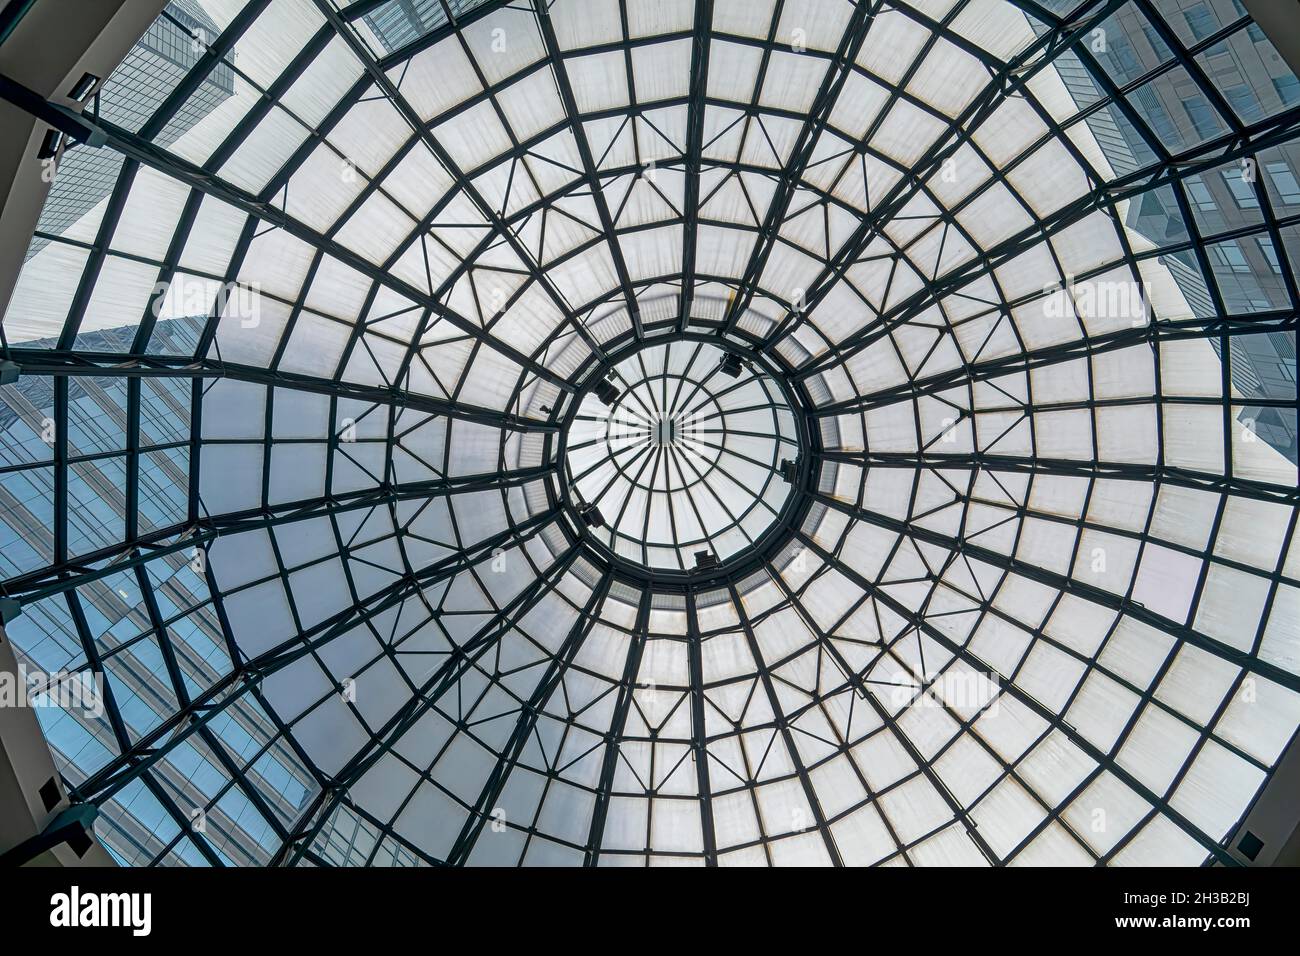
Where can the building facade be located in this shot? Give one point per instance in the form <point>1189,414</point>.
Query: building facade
<point>153,68</point>
<point>1251,80</point>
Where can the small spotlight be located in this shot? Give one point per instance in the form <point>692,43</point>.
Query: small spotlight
<point>50,144</point>
<point>730,365</point>
<point>591,516</point>
<point>85,86</point>
<point>705,559</point>
<point>9,372</point>
<point>788,470</point>
<point>607,392</point>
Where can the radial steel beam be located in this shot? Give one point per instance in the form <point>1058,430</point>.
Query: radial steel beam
<point>699,732</point>
<point>1064,584</point>
<point>541,10</point>
<point>965,375</point>
<point>187,536</point>
<point>783,728</point>
<point>617,725</point>
<point>867,693</point>
<point>1153,474</point>
<point>399,102</point>
<point>447,676</point>
<point>1274,131</point>
<point>529,713</point>
<point>98,133</point>
<point>850,45</point>
<point>699,87</point>
<point>919,623</point>
<point>149,748</point>
<point>71,362</point>
<point>1010,80</point>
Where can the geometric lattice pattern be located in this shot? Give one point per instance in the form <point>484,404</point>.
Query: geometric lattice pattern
<point>687,461</point>
<point>284,463</point>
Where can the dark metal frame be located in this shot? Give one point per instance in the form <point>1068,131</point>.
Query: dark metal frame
<point>68,574</point>
<point>769,542</point>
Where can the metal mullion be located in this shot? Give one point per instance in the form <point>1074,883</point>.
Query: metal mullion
<point>66,362</point>
<point>167,272</point>
<point>1030,359</point>
<point>1063,584</point>
<point>700,479</point>
<point>234,654</point>
<point>1055,720</point>
<point>1012,77</point>
<point>699,731</point>
<point>35,585</point>
<point>897,93</point>
<point>542,16</point>
<point>446,676</point>
<point>96,664</point>
<point>1186,58</point>
<point>617,723</point>
<point>695,508</point>
<point>183,700</point>
<point>1007,767</point>
<point>430,39</point>
<point>239,779</point>
<point>633,484</point>
<point>837,72</point>
<point>687,409</point>
<point>98,253</point>
<point>1185,478</point>
<point>859,686</point>
<point>295,311</point>
<point>131,524</point>
<point>529,712</point>
<point>403,107</point>
<point>269,100</point>
<point>649,502</point>
<point>213,54</point>
<point>703,28</point>
<point>383,831</point>
<point>59,467</point>
<point>244,845</point>
<point>672,408</point>
<point>134,148</point>
<point>183,825</point>
<point>640,446</point>
<point>724,450</point>
<point>116,774</point>
<point>925,768</point>
<point>764,676</point>
<point>672,510</point>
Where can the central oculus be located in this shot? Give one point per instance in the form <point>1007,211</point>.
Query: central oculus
<point>674,456</point>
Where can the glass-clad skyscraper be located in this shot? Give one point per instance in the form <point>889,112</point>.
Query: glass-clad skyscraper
<point>170,48</point>
<point>1249,78</point>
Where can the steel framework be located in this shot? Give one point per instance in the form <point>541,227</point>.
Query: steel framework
<point>530,491</point>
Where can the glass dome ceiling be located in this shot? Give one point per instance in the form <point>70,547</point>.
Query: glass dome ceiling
<point>684,463</point>
<point>303,342</point>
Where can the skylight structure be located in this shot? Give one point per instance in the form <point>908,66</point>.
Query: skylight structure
<point>686,464</point>
<point>648,432</point>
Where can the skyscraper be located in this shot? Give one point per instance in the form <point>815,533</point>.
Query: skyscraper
<point>151,70</point>
<point>120,622</point>
<point>397,23</point>
<point>1248,77</point>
